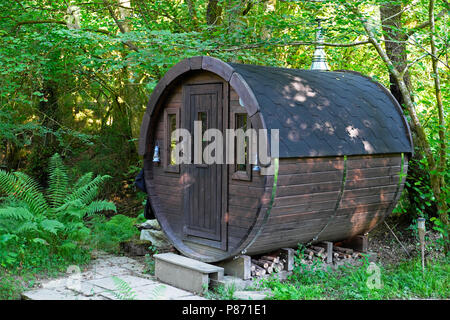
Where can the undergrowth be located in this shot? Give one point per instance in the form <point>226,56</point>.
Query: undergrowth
<point>400,281</point>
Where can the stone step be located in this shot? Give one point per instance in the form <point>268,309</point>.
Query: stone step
<point>186,273</point>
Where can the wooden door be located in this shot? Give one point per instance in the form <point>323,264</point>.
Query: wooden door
<point>203,196</point>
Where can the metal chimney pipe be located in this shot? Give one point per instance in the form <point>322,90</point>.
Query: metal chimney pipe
<point>319,61</point>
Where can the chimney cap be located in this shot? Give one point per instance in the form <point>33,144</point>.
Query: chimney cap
<point>319,61</point>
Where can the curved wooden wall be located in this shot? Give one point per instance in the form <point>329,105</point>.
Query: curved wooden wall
<point>308,201</point>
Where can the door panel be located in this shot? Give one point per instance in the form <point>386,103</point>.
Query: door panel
<point>203,194</point>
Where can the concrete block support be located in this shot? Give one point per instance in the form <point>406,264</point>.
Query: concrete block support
<point>185,273</point>
<point>359,243</point>
<point>239,267</point>
<point>288,255</point>
<point>329,251</point>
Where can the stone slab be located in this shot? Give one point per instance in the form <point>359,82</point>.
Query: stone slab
<point>132,281</point>
<point>50,294</point>
<point>251,295</point>
<point>237,267</point>
<point>188,263</point>
<point>98,284</point>
<point>181,277</point>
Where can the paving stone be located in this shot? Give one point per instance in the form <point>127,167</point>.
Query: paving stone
<point>132,281</point>
<point>87,289</point>
<point>190,297</point>
<point>97,283</point>
<point>251,295</point>
<point>56,283</point>
<point>108,271</point>
<point>49,294</point>
<point>155,291</point>
<point>135,267</point>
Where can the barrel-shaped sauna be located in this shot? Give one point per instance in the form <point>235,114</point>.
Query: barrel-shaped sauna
<point>344,146</point>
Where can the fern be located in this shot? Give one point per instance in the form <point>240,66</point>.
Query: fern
<point>52,226</point>
<point>23,188</point>
<point>58,181</point>
<point>100,205</point>
<point>125,292</point>
<point>19,214</point>
<point>83,180</point>
<point>56,215</point>
<point>88,192</point>
<point>28,227</point>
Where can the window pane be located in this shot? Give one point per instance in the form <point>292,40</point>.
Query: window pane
<point>241,123</point>
<point>203,117</point>
<point>172,118</point>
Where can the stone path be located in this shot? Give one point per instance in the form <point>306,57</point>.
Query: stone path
<point>108,278</point>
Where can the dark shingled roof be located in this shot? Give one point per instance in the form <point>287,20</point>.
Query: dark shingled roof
<point>322,113</point>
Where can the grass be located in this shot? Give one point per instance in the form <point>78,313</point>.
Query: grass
<point>37,263</point>
<point>401,281</point>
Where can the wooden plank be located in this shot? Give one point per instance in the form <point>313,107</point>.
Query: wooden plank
<point>309,178</point>
<point>299,167</point>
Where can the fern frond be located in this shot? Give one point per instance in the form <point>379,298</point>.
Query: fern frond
<point>52,226</point>
<point>157,292</point>
<point>89,191</point>
<point>26,227</point>
<point>26,189</point>
<point>100,205</point>
<point>18,214</point>
<point>77,203</point>
<point>83,180</point>
<point>75,208</point>
<point>22,187</point>
<point>125,292</point>
<point>7,182</point>
<point>58,181</point>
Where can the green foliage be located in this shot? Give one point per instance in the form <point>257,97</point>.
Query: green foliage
<point>221,292</point>
<point>402,281</point>
<point>84,89</point>
<point>51,221</point>
<point>123,290</point>
<point>10,287</point>
<point>107,235</point>
<point>150,261</point>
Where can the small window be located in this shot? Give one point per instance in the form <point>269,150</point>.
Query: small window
<point>241,123</point>
<point>203,117</point>
<point>171,120</point>
<point>239,120</point>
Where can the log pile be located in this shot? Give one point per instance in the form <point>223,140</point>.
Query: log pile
<point>267,264</point>
<point>274,263</point>
<point>319,251</point>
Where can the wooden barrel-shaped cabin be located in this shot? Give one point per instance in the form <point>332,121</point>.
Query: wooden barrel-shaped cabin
<point>344,146</point>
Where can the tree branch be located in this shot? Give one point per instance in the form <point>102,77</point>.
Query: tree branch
<point>295,43</point>
<point>409,65</point>
<point>427,23</point>
<point>120,26</point>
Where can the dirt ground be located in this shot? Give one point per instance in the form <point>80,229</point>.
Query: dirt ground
<point>390,251</point>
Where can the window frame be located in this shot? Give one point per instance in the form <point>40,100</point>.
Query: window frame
<point>167,152</point>
<point>240,174</point>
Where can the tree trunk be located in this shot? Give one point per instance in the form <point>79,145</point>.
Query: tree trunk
<point>391,17</point>
<point>43,147</point>
<point>213,12</point>
<point>438,181</point>
<point>423,142</point>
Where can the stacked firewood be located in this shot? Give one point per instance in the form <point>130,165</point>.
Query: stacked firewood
<point>319,251</point>
<point>266,264</point>
<point>274,262</point>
